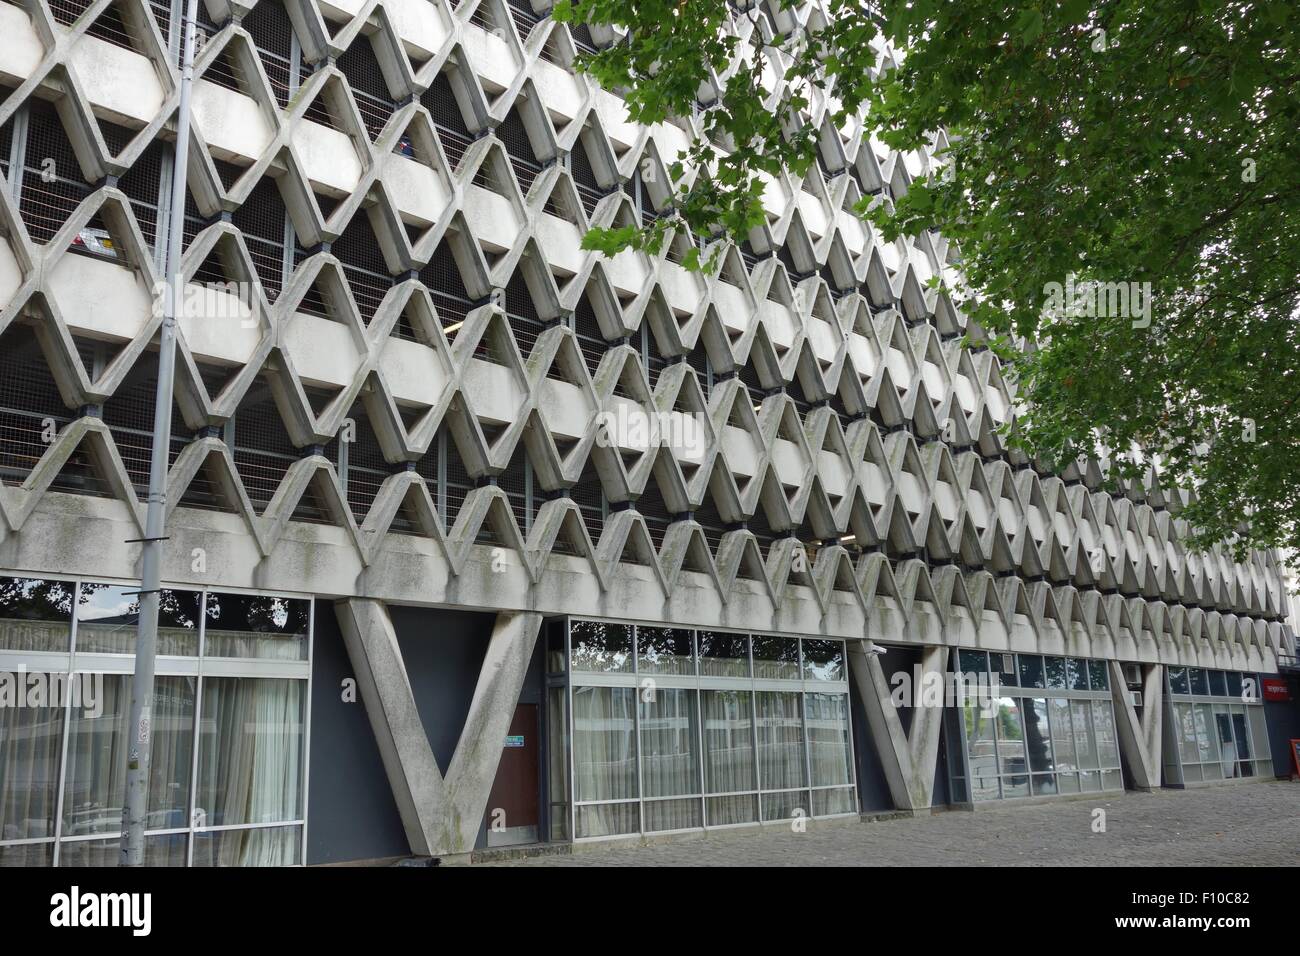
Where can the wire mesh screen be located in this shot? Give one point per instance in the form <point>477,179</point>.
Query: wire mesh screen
<point>363,265</point>
<point>31,414</point>
<point>141,185</point>
<point>52,180</point>
<point>272,32</point>
<point>523,159</point>
<point>458,482</point>
<point>261,219</point>
<point>441,277</point>
<point>367,469</point>
<point>262,450</point>
<point>584,178</point>
<point>129,413</point>
<point>591,341</point>
<point>366,78</point>
<point>453,131</point>
<point>67,12</point>
<point>515,481</point>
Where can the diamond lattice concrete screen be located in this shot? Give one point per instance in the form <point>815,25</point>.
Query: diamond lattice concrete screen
<point>397,373</point>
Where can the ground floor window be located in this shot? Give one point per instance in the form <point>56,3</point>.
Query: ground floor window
<point>1048,728</point>
<point>663,729</point>
<point>1218,726</point>
<point>228,759</point>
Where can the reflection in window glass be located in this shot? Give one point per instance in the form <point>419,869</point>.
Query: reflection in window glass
<point>776,658</point>
<point>981,746</point>
<point>1107,745</point>
<point>30,740</point>
<point>108,618</point>
<point>256,626</point>
<point>729,755</point>
<point>1055,669</point>
<point>1234,686</point>
<point>35,615</point>
<point>1085,737</point>
<point>1031,671</point>
<point>723,655</point>
<point>1076,671</point>
<point>972,662</point>
<point>1038,740</point>
<point>1178,680</point>
<point>1219,684</point>
<point>95,777</point>
<point>664,650</point>
<point>601,648</point>
<point>250,751</point>
<point>670,759</point>
<point>828,739</point>
<point>604,758</point>
<point>262,846</point>
<point>823,660</point>
<point>1098,676</point>
<point>558,761</point>
<point>780,741</point>
<point>1199,683</point>
<point>164,849</point>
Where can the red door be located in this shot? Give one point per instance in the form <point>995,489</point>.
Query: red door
<point>512,809</point>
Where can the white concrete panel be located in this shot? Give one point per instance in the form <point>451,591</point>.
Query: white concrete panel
<point>413,371</point>
<point>494,393</point>
<point>21,49</point>
<point>120,82</point>
<point>329,160</point>
<point>101,297</point>
<point>418,191</point>
<point>322,350</point>
<point>218,324</point>
<point>232,124</point>
<point>492,218</point>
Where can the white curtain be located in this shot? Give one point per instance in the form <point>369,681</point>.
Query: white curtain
<point>729,754</point>
<point>604,758</point>
<point>30,738</point>
<point>780,741</point>
<point>252,754</point>
<point>670,760</point>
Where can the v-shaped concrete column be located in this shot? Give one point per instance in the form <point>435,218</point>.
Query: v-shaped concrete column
<point>441,815</point>
<point>1140,738</point>
<point>909,759</point>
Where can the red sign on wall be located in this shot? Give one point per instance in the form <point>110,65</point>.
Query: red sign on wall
<point>1275,688</point>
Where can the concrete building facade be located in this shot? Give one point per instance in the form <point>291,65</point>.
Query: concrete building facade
<point>476,537</point>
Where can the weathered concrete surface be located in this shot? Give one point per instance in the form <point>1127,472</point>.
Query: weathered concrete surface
<point>908,758</point>
<point>1253,824</point>
<point>1140,738</point>
<point>440,815</point>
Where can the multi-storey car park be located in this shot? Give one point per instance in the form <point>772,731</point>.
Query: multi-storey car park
<point>421,597</point>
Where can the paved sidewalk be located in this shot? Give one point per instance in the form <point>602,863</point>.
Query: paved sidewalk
<point>1242,825</point>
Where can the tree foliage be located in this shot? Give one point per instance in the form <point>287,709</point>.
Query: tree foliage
<point>1083,142</point>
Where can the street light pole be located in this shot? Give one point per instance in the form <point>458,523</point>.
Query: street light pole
<point>146,647</point>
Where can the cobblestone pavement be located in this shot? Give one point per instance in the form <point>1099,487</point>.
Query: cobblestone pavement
<point>1243,825</point>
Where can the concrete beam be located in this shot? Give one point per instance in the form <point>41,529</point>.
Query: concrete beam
<point>1140,738</point>
<point>908,758</point>
<point>441,816</point>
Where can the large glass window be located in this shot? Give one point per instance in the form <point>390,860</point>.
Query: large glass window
<point>108,617</point>
<point>723,655</point>
<point>729,756</point>
<point>253,626</point>
<point>670,759</point>
<point>35,615</point>
<point>1059,741</point>
<point>601,648</point>
<point>664,650</point>
<point>1220,731</point>
<point>686,729</point>
<point>604,760</point>
<point>225,751</point>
